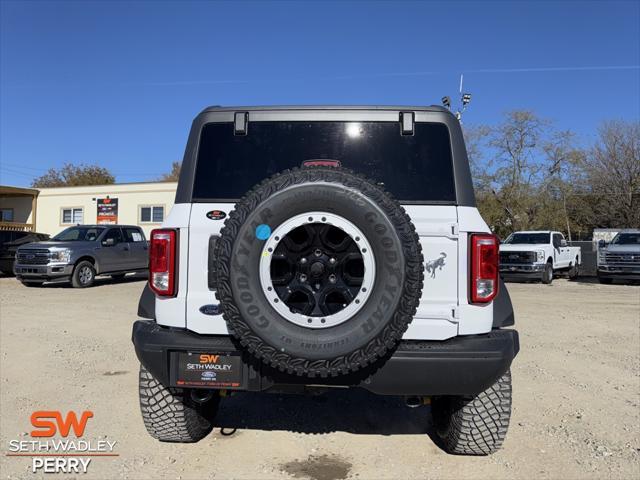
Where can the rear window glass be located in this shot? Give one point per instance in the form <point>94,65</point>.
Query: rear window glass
<point>414,168</point>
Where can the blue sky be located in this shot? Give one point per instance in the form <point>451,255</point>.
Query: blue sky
<point>117,84</point>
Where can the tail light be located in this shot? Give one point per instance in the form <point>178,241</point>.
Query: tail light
<point>162,262</point>
<point>484,257</point>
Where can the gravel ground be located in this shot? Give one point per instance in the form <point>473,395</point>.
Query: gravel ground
<point>576,397</point>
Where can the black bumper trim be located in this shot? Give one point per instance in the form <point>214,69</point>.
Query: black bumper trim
<point>463,365</point>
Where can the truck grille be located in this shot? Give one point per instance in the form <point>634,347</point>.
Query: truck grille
<point>517,257</point>
<point>622,259</point>
<point>33,257</point>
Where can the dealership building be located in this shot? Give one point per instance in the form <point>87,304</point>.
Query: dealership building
<point>51,210</point>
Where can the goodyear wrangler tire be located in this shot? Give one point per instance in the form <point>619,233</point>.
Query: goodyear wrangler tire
<point>319,271</point>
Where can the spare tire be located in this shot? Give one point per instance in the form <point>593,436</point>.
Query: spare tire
<point>319,271</point>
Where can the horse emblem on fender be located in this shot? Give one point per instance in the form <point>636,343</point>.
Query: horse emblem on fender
<point>437,264</point>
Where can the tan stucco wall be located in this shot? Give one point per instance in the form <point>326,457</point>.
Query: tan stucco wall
<point>130,197</point>
<point>21,207</point>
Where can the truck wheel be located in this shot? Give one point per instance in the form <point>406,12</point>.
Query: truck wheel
<point>83,275</point>
<point>574,271</point>
<point>547,274</point>
<point>605,281</point>
<point>474,425</point>
<point>170,415</point>
<point>319,271</point>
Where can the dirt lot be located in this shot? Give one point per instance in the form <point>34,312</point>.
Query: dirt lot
<point>576,397</point>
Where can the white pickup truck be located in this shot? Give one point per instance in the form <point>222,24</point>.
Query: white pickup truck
<point>538,255</point>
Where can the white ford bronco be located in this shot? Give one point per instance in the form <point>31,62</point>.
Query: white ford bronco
<point>319,247</point>
<point>538,255</point>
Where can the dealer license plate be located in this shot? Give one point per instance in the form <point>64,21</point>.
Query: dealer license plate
<point>203,369</point>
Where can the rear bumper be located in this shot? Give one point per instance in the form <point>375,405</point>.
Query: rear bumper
<point>43,272</point>
<point>458,366</point>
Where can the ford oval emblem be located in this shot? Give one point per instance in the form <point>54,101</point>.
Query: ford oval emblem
<point>210,309</point>
<point>216,215</point>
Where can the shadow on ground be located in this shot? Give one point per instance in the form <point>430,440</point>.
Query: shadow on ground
<point>354,411</point>
<point>99,281</point>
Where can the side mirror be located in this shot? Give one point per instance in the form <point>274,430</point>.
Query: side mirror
<point>109,242</point>
<point>563,243</point>
<point>601,243</point>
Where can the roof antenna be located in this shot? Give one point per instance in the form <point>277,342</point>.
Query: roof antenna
<point>465,98</point>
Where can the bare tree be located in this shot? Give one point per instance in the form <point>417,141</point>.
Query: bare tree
<point>612,168</point>
<point>173,175</point>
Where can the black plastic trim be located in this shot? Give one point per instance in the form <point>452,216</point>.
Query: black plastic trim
<point>147,303</point>
<point>503,315</point>
<point>463,365</point>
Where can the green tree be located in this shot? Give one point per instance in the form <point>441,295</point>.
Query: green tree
<point>74,175</point>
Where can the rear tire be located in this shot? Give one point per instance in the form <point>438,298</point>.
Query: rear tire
<point>83,275</point>
<point>170,415</point>
<point>547,274</point>
<point>574,271</point>
<point>474,425</point>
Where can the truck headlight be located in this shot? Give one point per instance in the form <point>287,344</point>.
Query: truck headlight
<point>540,255</point>
<point>62,255</point>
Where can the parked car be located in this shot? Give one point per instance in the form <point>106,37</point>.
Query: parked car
<point>538,255</point>
<point>9,243</point>
<point>620,259</point>
<point>295,257</point>
<point>80,253</point>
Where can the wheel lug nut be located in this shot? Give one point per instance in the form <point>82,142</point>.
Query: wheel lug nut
<point>332,278</point>
<point>318,252</point>
<point>332,261</point>
<point>303,260</point>
<point>303,277</point>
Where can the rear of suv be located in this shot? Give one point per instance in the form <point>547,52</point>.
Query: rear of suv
<point>319,247</point>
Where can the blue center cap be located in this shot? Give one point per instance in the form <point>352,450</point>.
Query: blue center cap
<point>263,232</point>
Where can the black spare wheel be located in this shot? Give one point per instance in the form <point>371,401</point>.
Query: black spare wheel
<point>319,271</point>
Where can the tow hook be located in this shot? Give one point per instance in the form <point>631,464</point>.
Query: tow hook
<point>201,396</point>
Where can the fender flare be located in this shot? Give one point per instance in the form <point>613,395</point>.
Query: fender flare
<point>503,315</point>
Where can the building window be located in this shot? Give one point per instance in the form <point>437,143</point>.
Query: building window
<point>6,215</point>
<point>72,216</point>
<point>152,214</point>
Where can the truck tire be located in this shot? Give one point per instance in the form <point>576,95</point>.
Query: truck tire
<point>574,271</point>
<point>319,271</point>
<point>83,275</point>
<point>474,425</point>
<point>547,274</point>
<point>170,415</point>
